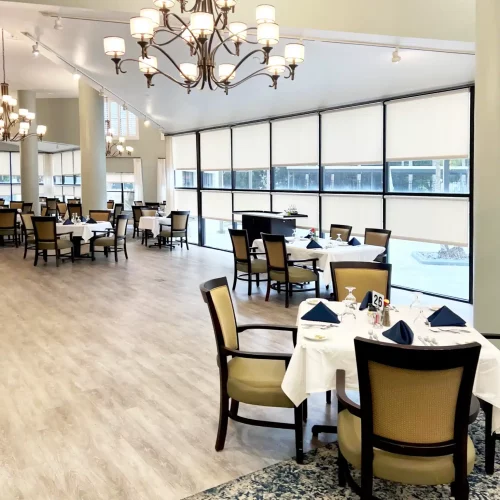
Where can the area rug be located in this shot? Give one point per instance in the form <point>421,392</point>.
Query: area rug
<point>317,480</point>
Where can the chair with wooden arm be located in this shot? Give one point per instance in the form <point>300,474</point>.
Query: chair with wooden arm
<point>342,230</point>
<point>411,425</point>
<point>100,215</point>
<point>112,238</point>
<point>46,238</point>
<point>380,238</point>
<point>8,225</point>
<point>247,377</point>
<point>177,229</point>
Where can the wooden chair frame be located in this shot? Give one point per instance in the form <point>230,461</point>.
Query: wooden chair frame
<point>222,354</point>
<point>288,286</point>
<point>27,233</point>
<point>14,227</point>
<point>137,209</point>
<point>110,204</point>
<point>44,253</point>
<point>117,238</point>
<point>52,206</point>
<point>74,208</point>
<point>419,359</point>
<point>27,208</point>
<point>107,213</point>
<point>383,256</point>
<point>341,226</point>
<point>183,239</point>
<point>117,210</point>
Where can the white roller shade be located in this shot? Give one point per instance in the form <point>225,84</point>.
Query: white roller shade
<point>437,220</point>
<point>41,161</point>
<point>184,152</point>
<point>429,128</point>
<point>215,149</point>
<point>77,162</point>
<point>296,141</point>
<point>353,136</point>
<point>5,164</point>
<point>16,163</point>
<point>306,205</point>
<point>67,163</point>
<point>358,211</point>
<point>251,147</point>
<point>217,205</point>
<point>186,200</point>
<point>115,178</point>
<point>56,164</point>
<point>251,201</point>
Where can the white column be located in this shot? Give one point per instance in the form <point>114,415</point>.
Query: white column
<point>29,154</point>
<point>487,160</point>
<point>93,148</point>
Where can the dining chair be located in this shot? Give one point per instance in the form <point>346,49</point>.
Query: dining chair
<point>177,229</point>
<point>137,213</point>
<point>2,202</point>
<point>74,208</point>
<point>152,204</point>
<point>110,204</point>
<point>284,271</point>
<point>247,377</point>
<point>100,215</point>
<point>245,259</point>
<point>73,201</point>
<point>52,206</point>
<point>139,203</point>
<point>344,231</point>
<point>16,205</point>
<point>46,238</point>
<point>111,239</point>
<point>380,238</point>
<point>28,232</point>
<point>43,211</point>
<point>42,199</point>
<point>62,209</point>
<point>8,225</point>
<point>27,208</point>
<point>411,425</point>
<point>118,209</point>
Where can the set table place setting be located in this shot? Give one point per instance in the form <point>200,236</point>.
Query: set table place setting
<point>82,228</point>
<point>153,224</point>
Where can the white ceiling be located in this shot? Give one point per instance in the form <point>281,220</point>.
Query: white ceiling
<point>333,74</point>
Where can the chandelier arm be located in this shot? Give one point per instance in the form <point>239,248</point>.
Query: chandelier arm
<point>225,40</point>
<point>250,54</point>
<point>213,33</point>
<point>176,36</point>
<point>175,16</point>
<point>192,9</point>
<point>171,60</point>
<point>259,72</point>
<point>290,72</point>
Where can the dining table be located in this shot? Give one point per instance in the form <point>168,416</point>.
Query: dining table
<point>82,233</point>
<point>314,363</point>
<point>152,224</point>
<point>330,251</point>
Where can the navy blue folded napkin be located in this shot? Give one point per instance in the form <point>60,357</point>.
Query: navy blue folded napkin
<point>367,300</point>
<point>321,313</point>
<point>67,222</point>
<point>83,219</point>
<point>313,244</point>
<point>354,242</point>
<point>445,317</point>
<point>91,221</point>
<point>400,333</point>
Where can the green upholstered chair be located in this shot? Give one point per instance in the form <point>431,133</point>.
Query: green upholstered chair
<point>344,231</point>
<point>46,238</point>
<point>245,259</point>
<point>28,232</point>
<point>284,271</point>
<point>411,425</point>
<point>177,229</point>
<point>8,225</point>
<point>380,238</point>
<point>247,377</point>
<point>114,240</point>
<point>100,215</point>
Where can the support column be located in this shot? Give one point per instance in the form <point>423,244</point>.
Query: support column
<point>29,154</point>
<point>486,161</point>
<point>93,148</point>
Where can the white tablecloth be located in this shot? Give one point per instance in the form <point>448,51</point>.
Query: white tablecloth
<point>84,231</point>
<point>297,250</point>
<point>314,363</point>
<point>153,224</point>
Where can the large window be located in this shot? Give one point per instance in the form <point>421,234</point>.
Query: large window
<point>215,149</point>
<point>185,162</point>
<point>123,122</point>
<point>120,188</point>
<point>217,218</point>
<point>66,171</point>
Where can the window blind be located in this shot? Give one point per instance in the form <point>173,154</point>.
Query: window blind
<point>186,200</point>
<point>184,152</point>
<point>251,147</point>
<point>77,162</point>
<point>5,164</point>
<point>217,205</point>
<point>306,205</point>
<point>215,149</point>
<point>251,201</point>
<point>123,122</point>
<point>16,163</point>
<point>67,163</point>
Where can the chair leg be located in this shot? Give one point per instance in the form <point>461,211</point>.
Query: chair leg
<point>460,490</point>
<point>223,418</point>
<point>187,244</point>
<point>36,257</point>
<point>25,247</point>
<point>235,278</point>
<point>367,477</point>
<point>249,284</point>
<point>116,252</point>
<point>278,287</point>
<point>235,406</point>
<point>328,397</point>
<point>304,411</point>
<point>287,294</point>
<point>299,438</point>
<point>125,249</point>
<point>92,251</point>
<point>342,468</point>
<point>44,254</point>
<point>73,255</point>
<point>58,256</point>
<point>317,288</point>
<point>257,279</point>
<point>268,289</point>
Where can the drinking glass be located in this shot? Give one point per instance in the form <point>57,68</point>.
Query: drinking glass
<point>339,239</point>
<point>417,304</point>
<point>350,303</point>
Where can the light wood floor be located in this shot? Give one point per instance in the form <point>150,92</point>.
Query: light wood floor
<point>109,382</point>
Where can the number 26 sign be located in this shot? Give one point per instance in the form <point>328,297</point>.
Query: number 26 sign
<point>378,300</point>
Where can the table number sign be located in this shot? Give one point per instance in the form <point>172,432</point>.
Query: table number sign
<point>378,300</point>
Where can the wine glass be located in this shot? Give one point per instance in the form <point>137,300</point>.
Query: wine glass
<point>350,302</point>
<point>417,304</point>
<point>339,239</point>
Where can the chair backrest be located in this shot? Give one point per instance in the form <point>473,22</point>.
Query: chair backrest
<point>118,209</point>
<point>27,221</point>
<point>16,205</point>
<point>27,208</point>
<point>365,276</point>
<point>275,246</point>
<point>2,202</point>
<point>73,201</point>
<point>62,209</point>
<point>8,218</point>
<point>148,212</point>
<point>344,231</point>
<point>152,204</point>
<point>52,203</point>
<point>121,225</point>
<point>180,220</point>
<point>139,203</point>
<point>45,229</point>
<point>42,199</point>
<point>241,246</point>
<point>75,208</point>
<point>415,399</point>
<point>218,298</point>
<point>100,215</point>
<point>43,211</point>
<point>137,212</point>
<point>377,237</point>
<point>110,204</point>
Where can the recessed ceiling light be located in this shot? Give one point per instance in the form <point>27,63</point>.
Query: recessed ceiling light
<point>76,75</point>
<point>395,56</point>
<point>147,123</point>
<point>58,25</point>
<point>35,50</point>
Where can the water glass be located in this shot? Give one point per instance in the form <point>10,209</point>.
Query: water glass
<point>350,303</point>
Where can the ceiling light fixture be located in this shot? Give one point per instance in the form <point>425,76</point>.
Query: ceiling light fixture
<point>102,93</point>
<point>10,119</point>
<point>76,75</point>
<point>58,25</point>
<point>115,147</point>
<point>147,123</point>
<point>395,56</point>
<point>35,50</point>
<point>207,32</point>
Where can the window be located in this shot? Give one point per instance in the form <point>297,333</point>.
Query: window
<point>300,178</point>
<point>66,175</point>
<point>219,179</point>
<point>350,178</point>
<point>123,123</point>
<point>120,189</point>
<point>216,159</point>
<point>217,219</point>
<point>251,179</point>
<point>186,199</point>
<point>185,179</point>
<point>185,161</point>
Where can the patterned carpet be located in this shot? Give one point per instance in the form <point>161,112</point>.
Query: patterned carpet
<point>317,480</point>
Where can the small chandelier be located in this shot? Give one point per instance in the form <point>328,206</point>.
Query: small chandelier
<point>10,119</point>
<point>115,148</point>
<point>207,33</point>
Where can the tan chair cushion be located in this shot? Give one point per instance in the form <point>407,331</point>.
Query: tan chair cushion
<point>297,275</point>
<point>6,232</point>
<point>105,242</point>
<point>176,234</point>
<point>257,382</point>
<point>49,245</point>
<point>258,266</point>
<point>398,468</point>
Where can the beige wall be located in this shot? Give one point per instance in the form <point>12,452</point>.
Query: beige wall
<point>61,116</point>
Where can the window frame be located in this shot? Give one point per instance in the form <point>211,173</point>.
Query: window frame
<point>122,114</point>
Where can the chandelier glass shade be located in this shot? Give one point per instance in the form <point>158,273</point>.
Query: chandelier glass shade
<point>207,33</point>
<point>15,124</point>
<point>115,147</point>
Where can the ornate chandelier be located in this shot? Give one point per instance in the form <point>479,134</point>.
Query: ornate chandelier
<point>205,35</point>
<point>15,125</point>
<point>115,148</point>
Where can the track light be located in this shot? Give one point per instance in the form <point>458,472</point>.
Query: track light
<point>124,107</point>
<point>58,25</point>
<point>395,56</point>
<point>147,123</point>
<point>76,75</point>
<point>102,93</point>
<point>35,50</point>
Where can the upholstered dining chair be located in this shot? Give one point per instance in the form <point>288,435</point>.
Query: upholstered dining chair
<point>43,211</point>
<point>75,208</point>
<point>27,208</point>
<point>2,202</point>
<point>177,229</point>
<point>28,232</point>
<point>110,204</point>
<point>8,225</point>
<point>245,259</point>
<point>17,205</point>
<point>74,201</point>
<point>247,377</point>
<point>100,215</point>
<point>114,240</point>
<point>52,206</point>
<point>283,271</point>
<point>139,203</point>
<point>137,213</point>
<point>118,209</point>
<point>411,425</point>
<point>153,204</point>
<point>380,238</point>
<point>62,209</point>
<point>344,231</point>
<point>46,238</point>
